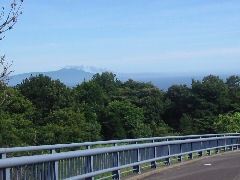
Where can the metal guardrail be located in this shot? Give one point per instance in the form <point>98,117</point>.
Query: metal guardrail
<point>93,162</point>
<point>52,148</point>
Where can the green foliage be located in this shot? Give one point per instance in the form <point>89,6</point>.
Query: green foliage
<point>181,100</point>
<point>90,93</point>
<point>197,107</point>
<point>227,123</point>
<point>16,120</point>
<point>186,124</point>
<point>66,126</point>
<point>233,83</point>
<point>124,120</point>
<point>44,111</point>
<point>150,99</point>
<point>212,93</point>
<point>8,136</point>
<point>107,81</point>
<point>45,94</point>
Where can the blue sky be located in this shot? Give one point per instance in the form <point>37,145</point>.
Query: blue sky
<point>174,36</point>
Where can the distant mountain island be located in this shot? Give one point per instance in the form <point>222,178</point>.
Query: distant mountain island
<point>72,75</point>
<point>69,76</point>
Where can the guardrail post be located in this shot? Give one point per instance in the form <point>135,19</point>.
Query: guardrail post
<point>53,151</point>
<point>217,149</point>
<point>89,166</point>
<point>92,178</point>
<point>137,169</point>
<point>168,160</point>
<point>190,155</point>
<point>209,152</point>
<point>116,174</point>
<point>225,143</point>
<point>6,171</point>
<point>154,163</point>
<point>180,157</point>
<point>232,147</point>
<point>200,153</point>
<point>238,147</point>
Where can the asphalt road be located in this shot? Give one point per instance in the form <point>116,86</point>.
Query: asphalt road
<point>225,166</point>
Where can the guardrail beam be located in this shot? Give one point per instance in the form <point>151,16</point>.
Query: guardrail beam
<point>89,163</point>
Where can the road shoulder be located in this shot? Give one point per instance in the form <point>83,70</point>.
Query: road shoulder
<point>151,172</point>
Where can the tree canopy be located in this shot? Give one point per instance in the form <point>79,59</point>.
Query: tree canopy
<point>45,111</point>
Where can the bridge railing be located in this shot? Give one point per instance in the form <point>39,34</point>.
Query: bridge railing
<point>93,162</point>
<point>52,148</point>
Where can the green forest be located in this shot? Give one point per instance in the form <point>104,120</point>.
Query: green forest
<point>45,111</point>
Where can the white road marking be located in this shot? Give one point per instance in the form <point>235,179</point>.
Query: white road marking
<point>207,164</point>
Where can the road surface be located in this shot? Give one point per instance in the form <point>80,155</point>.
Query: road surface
<point>225,166</point>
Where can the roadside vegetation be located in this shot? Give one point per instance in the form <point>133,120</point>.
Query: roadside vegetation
<point>45,111</point>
